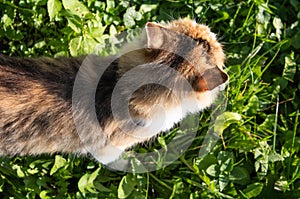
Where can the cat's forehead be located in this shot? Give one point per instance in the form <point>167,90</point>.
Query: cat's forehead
<point>200,32</point>
<point>192,29</point>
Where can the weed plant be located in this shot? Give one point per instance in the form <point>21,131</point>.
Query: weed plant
<point>258,153</point>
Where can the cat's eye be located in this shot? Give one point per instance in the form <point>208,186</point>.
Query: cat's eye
<point>139,122</point>
<point>203,42</point>
<point>199,40</point>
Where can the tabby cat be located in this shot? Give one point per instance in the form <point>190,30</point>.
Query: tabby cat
<point>37,107</point>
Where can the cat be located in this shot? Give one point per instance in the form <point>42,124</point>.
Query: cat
<point>39,114</point>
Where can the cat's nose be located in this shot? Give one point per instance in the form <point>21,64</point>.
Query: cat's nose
<point>214,77</point>
<point>210,79</point>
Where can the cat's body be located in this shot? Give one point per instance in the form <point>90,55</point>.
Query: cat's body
<point>36,110</point>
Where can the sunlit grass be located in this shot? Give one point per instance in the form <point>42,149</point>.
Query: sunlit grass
<point>257,155</point>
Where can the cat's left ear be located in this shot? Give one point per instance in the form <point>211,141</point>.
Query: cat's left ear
<point>155,35</point>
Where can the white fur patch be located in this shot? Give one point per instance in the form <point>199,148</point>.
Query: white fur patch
<point>164,118</point>
<point>108,154</point>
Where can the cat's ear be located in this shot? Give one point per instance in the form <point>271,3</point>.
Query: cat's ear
<point>210,79</point>
<point>155,35</point>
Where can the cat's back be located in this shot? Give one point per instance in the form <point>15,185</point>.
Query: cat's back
<point>29,89</point>
<point>41,67</point>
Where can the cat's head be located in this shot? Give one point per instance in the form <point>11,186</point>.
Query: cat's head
<point>200,57</point>
<point>183,45</point>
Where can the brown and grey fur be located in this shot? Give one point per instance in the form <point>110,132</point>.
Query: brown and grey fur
<point>36,94</point>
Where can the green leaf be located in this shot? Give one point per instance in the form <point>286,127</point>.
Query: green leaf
<point>43,195</point>
<point>253,105</point>
<point>223,181</point>
<point>130,16</point>
<point>225,16</point>
<point>239,174</point>
<point>110,6</point>
<point>100,187</point>
<point>225,120</point>
<point>112,30</point>
<point>290,67</point>
<point>225,160</point>
<point>277,23</point>
<point>223,156</point>
<point>205,162</point>
<point>126,186</point>
<point>268,124</point>
<point>86,182</point>
<point>282,184</point>
<point>82,45</point>
<point>16,35</point>
<point>40,44</point>
<point>262,16</point>
<point>6,20</point>
<point>53,7</point>
<point>213,170</point>
<point>148,7</point>
<point>20,173</point>
<point>74,22</point>
<point>75,7</point>
<point>253,190</point>
<point>274,157</point>
<point>58,163</point>
<point>281,83</point>
<point>226,166</point>
<point>96,29</point>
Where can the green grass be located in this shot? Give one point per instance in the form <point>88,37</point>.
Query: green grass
<point>258,155</point>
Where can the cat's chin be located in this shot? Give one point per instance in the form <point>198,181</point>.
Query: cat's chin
<point>205,99</point>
